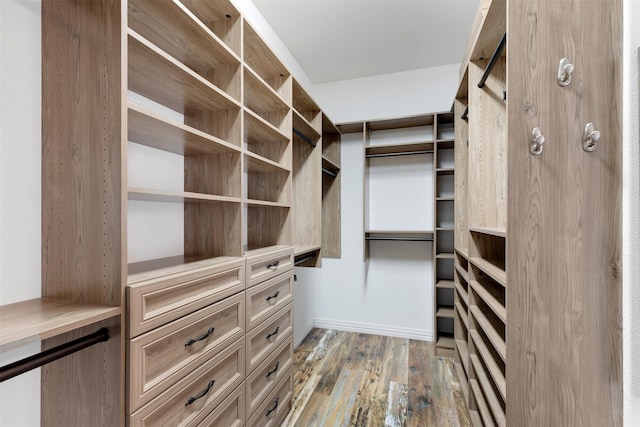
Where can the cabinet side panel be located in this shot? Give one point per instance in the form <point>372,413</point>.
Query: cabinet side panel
<point>564,338</point>
<point>461,142</point>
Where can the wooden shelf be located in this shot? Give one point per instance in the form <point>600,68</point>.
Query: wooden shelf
<point>266,140</point>
<point>265,250</point>
<point>445,199</point>
<point>444,255</point>
<point>446,312</point>
<point>476,421</point>
<point>463,315</point>
<point>446,342</point>
<point>445,171</point>
<point>463,381</point>
<point>222,18</point>
<point>174,29</point>
<point>185,91</point>
<point>256,202</point>
<point>258,163</point>
<point>492,231</point>
<point>398,148</point>
<point>353,127</point>
<point>152,195</point>
<point>464,252</point>
<point>490,363</point>
<point>148,128</point>
<point>43,318</point>
<point>496,273</point>
<point>444,284</point>
<point>445,229</point>
<point>490,396</point>
<point>462,293</point>
<point>299,250</point>
<point>329,165</point>
<point>265,63</point>
<point>401,122</point>
<point>490,332</point>
<point>301,125</point>
<point>260,98</point>
<point>491,302</point>
<point>155,268</point>
<point>463,273</point>
<point>483,409</point>
<point>304,105</point>
<point>463,350</point>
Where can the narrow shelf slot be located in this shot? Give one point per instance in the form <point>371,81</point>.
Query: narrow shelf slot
<point>445,171</point>
<point>464,296</point>
<point>265,140</point>
<point>462,313</point>
<point>331,139</point>
<point>495,272</point>
<point>483,409</point>
<point>267,226</point>
<point>463,273</point>
<point>444,255</point>
<point>487,389</point>
<point>463,350</point>
<point>496,306</point>
<point>262,100</point>
<point>42,318</point>
<point>494,370</point>
<point>490,331</point>
<point>464,252</point>
<point>463,380</point>
<point>258,163</point>
<point>446,312</point>
<point>266,64</point>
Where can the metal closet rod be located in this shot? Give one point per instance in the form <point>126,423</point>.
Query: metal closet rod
<point>328,172</point>
<point>493,61</point>
<point>305,259</point>
<point>304,137</point>
<point>21,366</point>
<point>465,114</point>
<point>407,153</point>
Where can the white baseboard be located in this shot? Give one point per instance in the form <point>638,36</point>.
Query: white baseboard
<point>375,329</point>
<point>298,338</point>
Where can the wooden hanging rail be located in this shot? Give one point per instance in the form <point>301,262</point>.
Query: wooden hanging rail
<point>494,59</point>
<point>21,366</point>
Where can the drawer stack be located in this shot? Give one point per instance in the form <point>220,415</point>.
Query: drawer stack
<point>269,339</point>
<point>186,345</point>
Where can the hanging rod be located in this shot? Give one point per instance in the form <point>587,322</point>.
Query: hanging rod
<point>328,172</point>
<point>465,115</point>
<point>21,366</point>
<point>404,239</point>
<point>407,153</point>
<point>493,61</point>
<point>304,137</point>
<point>305,259</point>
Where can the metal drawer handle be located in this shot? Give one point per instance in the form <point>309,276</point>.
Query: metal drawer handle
<point>274,332</point>
<point>273,296</point>
<point>269,411</point>
<point>201,394</point>
<point>194,340</point>
<point>274,370</point>
<point>275,265</point>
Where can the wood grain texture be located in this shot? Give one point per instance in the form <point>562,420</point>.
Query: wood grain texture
<point>307,194</point>
<point>212,229</point>
<point>353,379</point>
<point>268,226</point>
<point>564,225</point>
<point>460,178</point>
<point>222,18</point>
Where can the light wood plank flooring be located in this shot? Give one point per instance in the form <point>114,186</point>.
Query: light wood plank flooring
<point>353,379</point>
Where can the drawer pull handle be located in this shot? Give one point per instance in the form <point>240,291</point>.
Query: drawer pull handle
<point>269,411</point>
<point>274,332</point>
<point>194,340</point>
<point>274,265</point>
<point>273,296</point>
<point>274,370</point>
<point>201,394</point>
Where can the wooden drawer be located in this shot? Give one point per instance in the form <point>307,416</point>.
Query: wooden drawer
<point>230,413</point>
<point>194,397</point>
<point>266,337</point>
<point>276,406</point>
<point>263,265</point>
<point>268,297</point>
<point>264,378</point>
<point>153,302</point>
<point>161,357</point>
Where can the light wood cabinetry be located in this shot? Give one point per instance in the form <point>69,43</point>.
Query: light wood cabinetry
<point>331,182</point>
<point>190,83</point>
<point>537,246</point>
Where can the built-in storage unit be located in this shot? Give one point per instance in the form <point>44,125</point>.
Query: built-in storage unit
<point>331,182</point>
<point>537,224</point>
<point>172,165</point>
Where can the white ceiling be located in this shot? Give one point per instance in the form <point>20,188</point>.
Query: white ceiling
<point>343,39</point>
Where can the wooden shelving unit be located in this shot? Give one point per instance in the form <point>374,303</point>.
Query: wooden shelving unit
<point>331,182</point>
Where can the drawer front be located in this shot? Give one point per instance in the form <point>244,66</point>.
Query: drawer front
<point>262,381</point>
<point>194,397</point>
<point>265,266</point>
<point>266,337</point>
<point>230,413</point>
<point>161,357</point>
<point>266,298</point>
<point>272,412</point>
<point>155,302</point>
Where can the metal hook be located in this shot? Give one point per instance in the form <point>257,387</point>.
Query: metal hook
<point>537,142</point>
<point>590,138</point>
<point>565,69</point>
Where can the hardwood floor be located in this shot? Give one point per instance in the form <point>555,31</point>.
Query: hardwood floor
<point>353,379</point>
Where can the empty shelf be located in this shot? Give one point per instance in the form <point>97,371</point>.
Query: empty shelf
<point>151,195</point>
<point>462,313</point>
<point>496,273</point>
<point>490,396</point>
<point>492,366</point>
<point>444,284</point>
<point>492,231</point>
<point>444,311</point>
<point>463,350</point>
<point>495,338</point>
<point>446,342</point>
<point>493,303</point>
<point>483,409</point>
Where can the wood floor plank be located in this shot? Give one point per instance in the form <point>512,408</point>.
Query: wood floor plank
<point>369,408</point>
<point>343,397</point>
<point>301,399</point>
<point>396,414</point>
<point>333,363</point>
<point>420,394</point>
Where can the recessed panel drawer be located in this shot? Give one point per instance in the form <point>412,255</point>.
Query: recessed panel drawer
<point>268,297</point>
<point>266,337</point>
<point>155,301</point>
<point>194,397</point>
<point>264,266</point>
<point>161,357</point>
<point>268,374</point>
<point>230,413</point>
<point>276,406</point>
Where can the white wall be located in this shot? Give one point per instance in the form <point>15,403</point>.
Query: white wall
<point>20,100</point>
<point>631,214</point>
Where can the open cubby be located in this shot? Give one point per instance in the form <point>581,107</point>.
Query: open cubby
<point>304,105</point>
<point>307,196</point>
<point>267,226</point>
<point>222,18</point>
<point>173,29</point>
<point>445,126</point>
<point>262,100</point>
<point>266,182</point>
<point>444,269</point>
<point>445,161</point>
<point>265,140</point>
<point>445,186</point>
<point>445,211</point>
<point>444,242</point>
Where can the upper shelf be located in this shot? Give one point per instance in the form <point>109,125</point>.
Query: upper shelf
<point>402,122</point>
<point>221,17</point>
<point>42,318</point>
<point>303,130</point>
<point>492,231</point>
<point>416,147</point>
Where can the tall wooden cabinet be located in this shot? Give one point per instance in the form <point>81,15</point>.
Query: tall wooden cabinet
<point>538,237</point>
<point>201,331</point>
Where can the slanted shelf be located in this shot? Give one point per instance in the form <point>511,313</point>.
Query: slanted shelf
<point>331,200</point>
<point>307,179</point>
